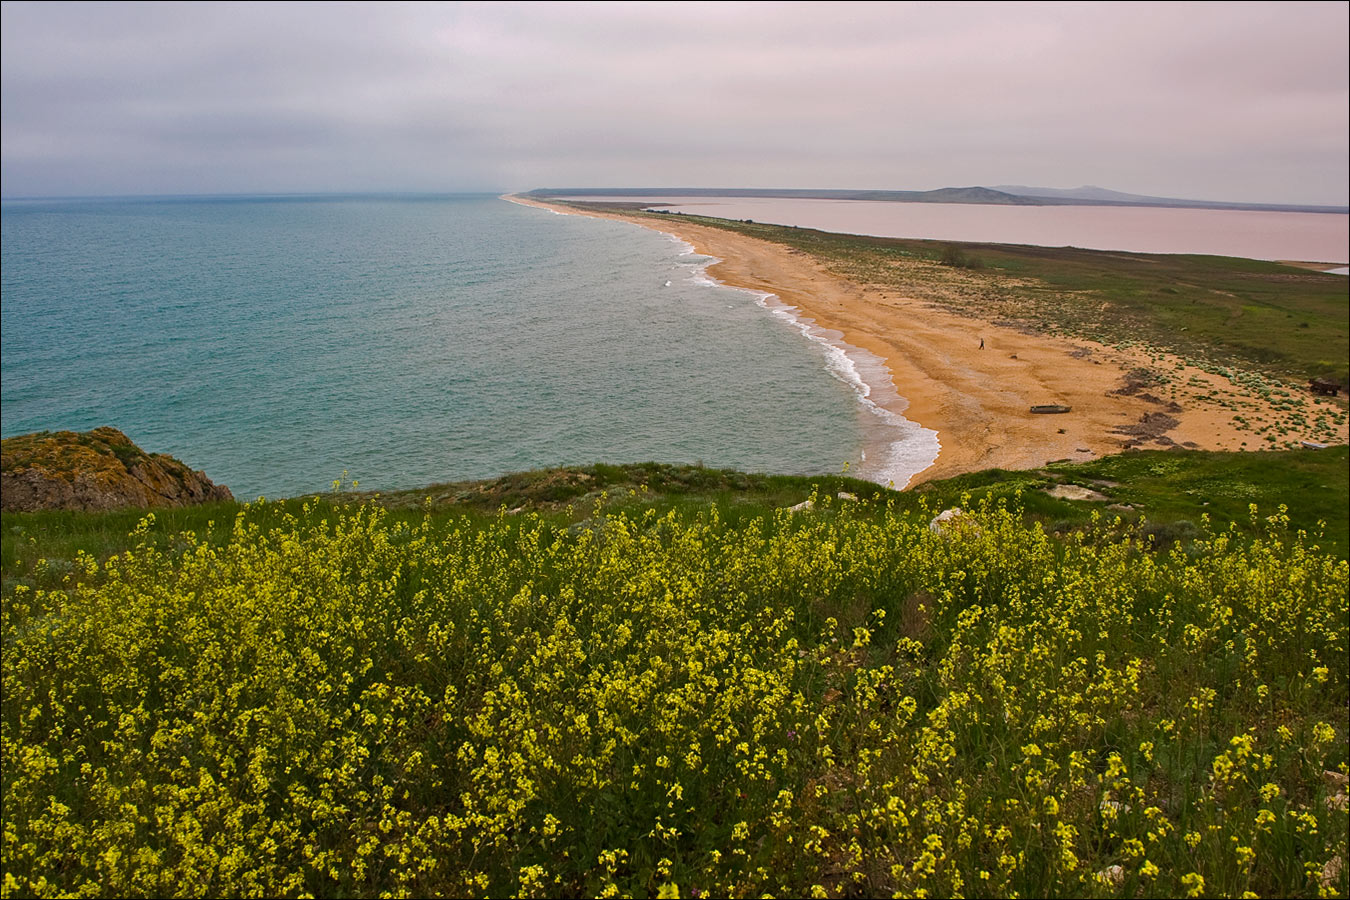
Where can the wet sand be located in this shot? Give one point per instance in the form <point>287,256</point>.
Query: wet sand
<point>978,397</point>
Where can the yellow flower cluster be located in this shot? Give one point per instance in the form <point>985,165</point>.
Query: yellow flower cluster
<point>824,704</point>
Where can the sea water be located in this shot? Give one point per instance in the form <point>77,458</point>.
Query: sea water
<point>277,343</point>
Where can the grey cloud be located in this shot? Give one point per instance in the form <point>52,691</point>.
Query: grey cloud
<point>1153,98</point>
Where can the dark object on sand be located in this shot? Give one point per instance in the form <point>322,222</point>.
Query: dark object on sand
<point>1051,408</point>
<point>1319,386</point>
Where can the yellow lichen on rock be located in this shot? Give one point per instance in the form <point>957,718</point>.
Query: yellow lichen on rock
<point>95,470</point>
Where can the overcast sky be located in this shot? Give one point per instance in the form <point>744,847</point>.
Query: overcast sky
<point>1215,101</point>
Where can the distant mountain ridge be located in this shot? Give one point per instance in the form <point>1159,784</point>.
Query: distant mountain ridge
<point>1091,194</point>
<point>1004,195</point>
<point>1086,192</point>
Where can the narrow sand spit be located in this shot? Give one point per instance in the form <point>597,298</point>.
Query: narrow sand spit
<point>976,397</point>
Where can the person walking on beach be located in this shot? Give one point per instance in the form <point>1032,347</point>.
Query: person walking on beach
<point>981,343</point>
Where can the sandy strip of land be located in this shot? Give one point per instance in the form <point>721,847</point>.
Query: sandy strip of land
<point>1313,266</point>
<point>976,397</point>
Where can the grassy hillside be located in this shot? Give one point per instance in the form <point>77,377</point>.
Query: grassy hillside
<point>651,679</point>
<point>1161,488</point>
<point>1261,316</point>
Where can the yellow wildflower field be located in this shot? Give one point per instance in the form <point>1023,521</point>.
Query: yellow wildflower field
<point>840,702</point>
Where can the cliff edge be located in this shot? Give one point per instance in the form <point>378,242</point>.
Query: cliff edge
<point>95,470</point>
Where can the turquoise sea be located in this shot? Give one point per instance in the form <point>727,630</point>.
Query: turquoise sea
<point>277,342</point>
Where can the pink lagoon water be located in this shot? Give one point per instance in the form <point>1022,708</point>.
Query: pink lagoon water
<point>1317,237</point>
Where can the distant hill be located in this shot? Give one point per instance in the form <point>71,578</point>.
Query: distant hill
<point>1091,195</point>
<point>1003,195</point>
<point>1088,192</point>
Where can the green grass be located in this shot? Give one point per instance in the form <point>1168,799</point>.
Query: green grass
<point>1162,487</point>
<point>1169,486</point>
<point>1262,316</point>
<point>564,496</point>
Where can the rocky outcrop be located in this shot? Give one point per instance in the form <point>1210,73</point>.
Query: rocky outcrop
<point>95,470</point>
<point>1076,492</point>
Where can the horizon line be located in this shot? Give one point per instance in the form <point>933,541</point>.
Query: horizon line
<point>705,191</point>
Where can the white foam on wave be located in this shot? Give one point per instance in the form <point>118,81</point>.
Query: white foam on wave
<point>909,447</point>
<point>686,248</point>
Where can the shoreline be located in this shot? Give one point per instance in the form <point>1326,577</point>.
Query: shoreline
<point>976,398</point>
<point>900,448</point>
<point>895,448</point>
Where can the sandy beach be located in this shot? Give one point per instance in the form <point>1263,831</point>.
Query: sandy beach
<point>974,382</point>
